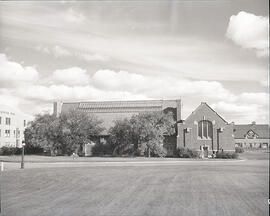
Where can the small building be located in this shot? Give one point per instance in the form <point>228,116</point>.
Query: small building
<point>252,135</point>
<point>12,125</point>
<point>206,131</point>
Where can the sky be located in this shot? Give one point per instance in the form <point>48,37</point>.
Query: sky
<point>200,51</point>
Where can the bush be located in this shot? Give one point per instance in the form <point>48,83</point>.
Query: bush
<point>10,150</point>
<point>227,155</point>
<point>183,152</point>
<point>30,149</point>
<point>239,150</point>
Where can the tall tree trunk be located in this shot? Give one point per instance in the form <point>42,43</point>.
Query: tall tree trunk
<point>149,152</point>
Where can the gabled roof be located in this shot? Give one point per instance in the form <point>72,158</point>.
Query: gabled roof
<point>262,130</point>
<point>205,104</point>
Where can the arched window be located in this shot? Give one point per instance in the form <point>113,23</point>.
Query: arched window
<point>205,129</point>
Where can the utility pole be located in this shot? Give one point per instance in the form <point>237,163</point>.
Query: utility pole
<point>22,162</point>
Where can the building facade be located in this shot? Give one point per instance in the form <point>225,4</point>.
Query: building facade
<point>252,135</point>
<point>206,131</point>
<point>12,127</point>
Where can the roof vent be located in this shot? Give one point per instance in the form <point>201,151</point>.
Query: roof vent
<point>253,123</point>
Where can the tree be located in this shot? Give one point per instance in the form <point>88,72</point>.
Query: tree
<point>149,129</point>
<point>121,137</point>
<point>65,133</point>
<point>78,128</point>
<point>44,131</point>
<point>143,133</point>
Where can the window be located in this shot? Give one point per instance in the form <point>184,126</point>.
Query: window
<point>14,132</point>
<point>8,121</point>
<point>205,130</point>
<point>7,133</point>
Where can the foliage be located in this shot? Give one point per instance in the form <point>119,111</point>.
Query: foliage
<point>121,137</point>
<point>239,150</point>
<point>63,134</point>
<point>227,155</point>
<point>142,134</point>
<point>78,128</point>
<point>5,150</point>
<point>30,149</point>
<point>183,152</point>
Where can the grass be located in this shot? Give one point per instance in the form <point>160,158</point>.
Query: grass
<point>188,188</point>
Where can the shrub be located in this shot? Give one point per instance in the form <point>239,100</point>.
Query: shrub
<point>183,152</point>
<point>30,149</point>
<point>227,155</point>
<point>239,150</point>
<point>10,150</point>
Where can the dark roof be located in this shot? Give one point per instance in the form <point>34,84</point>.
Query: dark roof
<point>262,130</point>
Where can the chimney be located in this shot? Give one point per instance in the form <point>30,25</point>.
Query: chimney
<point>178,110</point>
<point>253,123</point>
<point>57,107</point>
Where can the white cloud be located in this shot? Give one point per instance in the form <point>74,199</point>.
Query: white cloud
<point>13,72</point>
<point>242,112</point>
<point>159,86</point>
<point>59,51</point>
<point>70,76</point>
<point>249,31</point>
<point>63,92</point>
<point>91,57</point>
<point>73,16</point>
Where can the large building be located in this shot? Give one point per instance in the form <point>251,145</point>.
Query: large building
<point>12,125</point>
<point>204,130</point>
<point>252,135</point>
<point>109,111</point>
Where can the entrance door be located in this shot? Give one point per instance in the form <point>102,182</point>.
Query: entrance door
<point>205,151</point>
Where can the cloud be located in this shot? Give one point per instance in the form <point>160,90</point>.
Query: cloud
<point>13,72</point>
<point>243,112</point>
<point>70,76</point>
<point>74,16</point>
<point>159,86</point>
<point>61,52</point>
<point>250,32</point>
<point>68,93</point>
<point>91,57</point>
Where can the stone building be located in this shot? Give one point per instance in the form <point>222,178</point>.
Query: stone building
<point>252,135</point>
<point>205,130</point>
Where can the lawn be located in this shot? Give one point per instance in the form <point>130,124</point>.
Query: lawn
<point>192,188</point>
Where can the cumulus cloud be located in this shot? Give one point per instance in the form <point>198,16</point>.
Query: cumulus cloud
<point>13,72</point>
<point>245,113</point>
<point>70,76</point>
<point>249,31</point>
<point>74,17</point>
<point>63,92</point>
<point>62,52</point>
<point>59,51</point>
<point>158,86</point>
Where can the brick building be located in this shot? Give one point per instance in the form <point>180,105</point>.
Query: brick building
<point>205,130</point>
<point>109,111</point>
<point>252,135</point>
